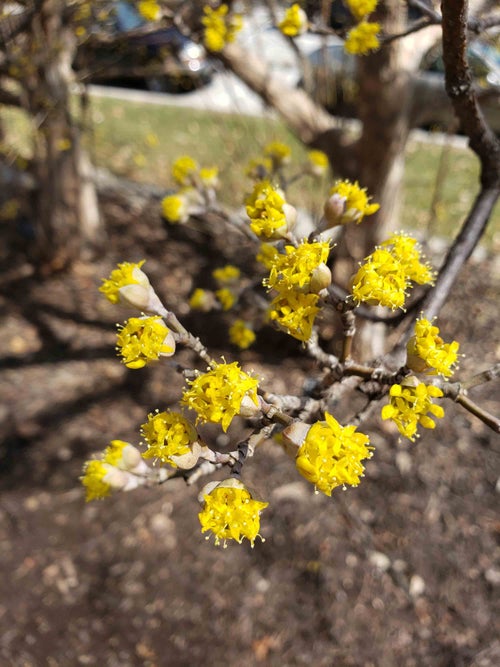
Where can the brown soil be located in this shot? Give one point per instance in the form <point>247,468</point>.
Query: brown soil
<point>402,571</point>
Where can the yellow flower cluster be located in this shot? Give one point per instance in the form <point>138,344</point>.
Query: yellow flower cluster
<point>184,169</point>
<point>175,208</point>
<point>295,312</point>
<point>294,22</point>
<point>221,393</point>
<point>143,340</point>
<point>410,403</point>
<point>381,280</point>
<point>386,275</point>
<point>101,476</point>
<point>318,162</point>
<point>202,299</point>
<point>265,208</point>
<point>361,8</point>
<point>298,275</point>
<point>95,476</point>
<point>427,352</point>
<point>241,335</point>
<point>226,275</point>
<point>266,254</point>
<point>278,152</point>
<point>348,203</point>
<point>149,9</point>
<point>226,298</point>
<point>298,266</point>
<point>126,274</point>
<point>221,27</point>
<point>186,172</point>
<point>331,455</point>
<point>407,251</point>
<point>229,512</point>
<point>169,435</point>
<point>363,38</point>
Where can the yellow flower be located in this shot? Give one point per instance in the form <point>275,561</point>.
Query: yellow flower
<point>267,254</point>
<point>139,160</point>
<point>226,298</point>
<point>94,480</point>
<point>149,9</point>
<point>169,435</point>
<point>175,208</point>
<point>229,512</point>
<point>385,275</point>
<point>361,8</point>
<point>278,152</point>
<point>266,209</point>
<point>121,454</point>
<point>202,300</point>
<point>318,162</point>
<point>221,393</point>
<point>427,352</point>
<point>331,455</point>
<point>220,27</point>
<point>294,313</point>
<point>183,169</point>
<point>226,275</point>
<point>152,139</point>
<point>101,476</point>
<point>381,280</point>
<point>143,340</point>
<point>241,335</point>
<point>209,177</point>
<point>125,275</point>
<point>406,249</point>
<point>297,268</point>
<point>294,22</point>
<point>363,38</point>
<point>410,403</point>
<point>356,203</point>
<point>64,144</point>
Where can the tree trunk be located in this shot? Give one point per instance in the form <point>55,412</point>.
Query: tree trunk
<point>68,225</point>
<point>384,104</point>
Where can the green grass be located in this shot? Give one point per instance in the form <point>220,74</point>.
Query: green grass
<point>142,141</point>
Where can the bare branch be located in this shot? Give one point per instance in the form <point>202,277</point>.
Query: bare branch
<point>485,376</point>
<point>461,92</point>
<point>311,123</point>
<point>460,251</point>
<point>457,391</point>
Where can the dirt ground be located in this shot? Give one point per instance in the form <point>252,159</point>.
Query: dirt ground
<point>402,571</point>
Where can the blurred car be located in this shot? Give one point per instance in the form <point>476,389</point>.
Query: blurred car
<point>136,53</point>
<point>332,83</point>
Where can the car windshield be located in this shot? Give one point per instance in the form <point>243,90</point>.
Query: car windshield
<point>127,17</point>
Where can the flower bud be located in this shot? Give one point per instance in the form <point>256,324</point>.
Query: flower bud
<point>189,459</point>
<point>413,360</point>
<point>294,435</point>
<point>135,295</point>
<point>248,408</point>
<point>290,216</point>
<point>117,479</point>
<point>334,210</point>
<point>131,457</point>
<point>321,278</point>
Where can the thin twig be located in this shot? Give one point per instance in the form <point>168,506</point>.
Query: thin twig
<point>485,376</point>
<point>487,418</point>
